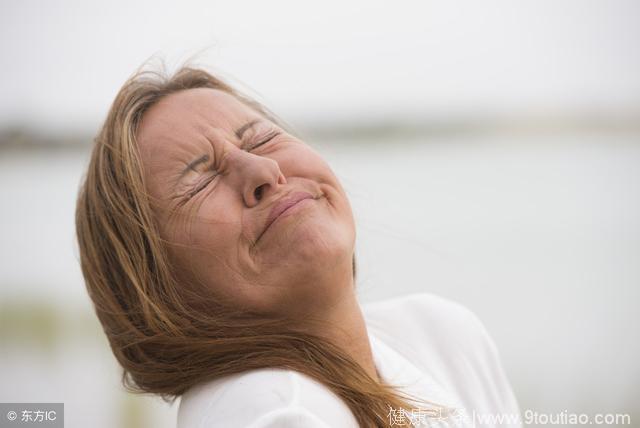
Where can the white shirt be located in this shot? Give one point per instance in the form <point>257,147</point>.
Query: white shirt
<point>437,349</point>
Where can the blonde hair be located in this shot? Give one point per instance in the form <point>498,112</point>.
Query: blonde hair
<point>164,343</point>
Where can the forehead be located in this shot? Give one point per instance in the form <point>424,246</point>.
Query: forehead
<point>192,110</point>
<point>183,123</point>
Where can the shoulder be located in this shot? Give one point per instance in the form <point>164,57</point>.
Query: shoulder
<point>424,323</point>
<point>420,314</point>
<point>263,398</point>
<point>417,301</point>
<point>448,340</point>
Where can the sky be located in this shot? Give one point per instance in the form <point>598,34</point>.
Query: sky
<point>62,62</point>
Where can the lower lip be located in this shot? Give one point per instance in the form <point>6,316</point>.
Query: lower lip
<point>291,210</point>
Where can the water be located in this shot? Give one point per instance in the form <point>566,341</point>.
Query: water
<point>539,235</point>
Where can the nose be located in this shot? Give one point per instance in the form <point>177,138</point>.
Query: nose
<point>256,177</point>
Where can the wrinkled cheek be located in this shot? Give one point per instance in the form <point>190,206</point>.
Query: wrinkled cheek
<point>212,252</point>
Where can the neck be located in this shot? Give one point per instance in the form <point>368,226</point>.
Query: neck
<point>344,325</point>
<point>348,330</point>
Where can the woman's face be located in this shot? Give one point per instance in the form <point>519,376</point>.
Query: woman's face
<point>221,175</point>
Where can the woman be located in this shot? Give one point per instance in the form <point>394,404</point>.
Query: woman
<point>218,250</point>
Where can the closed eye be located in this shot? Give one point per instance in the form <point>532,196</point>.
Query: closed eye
<point>268,138</point>
<point>202,185</point>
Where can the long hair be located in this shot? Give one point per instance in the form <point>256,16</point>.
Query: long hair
<point>164,343</point>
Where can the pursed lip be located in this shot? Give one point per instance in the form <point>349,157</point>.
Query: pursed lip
<point>282,205</point>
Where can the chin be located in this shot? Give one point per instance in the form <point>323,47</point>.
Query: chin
<point>316,242</point>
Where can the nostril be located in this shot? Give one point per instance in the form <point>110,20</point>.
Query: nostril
<point>258,192</point>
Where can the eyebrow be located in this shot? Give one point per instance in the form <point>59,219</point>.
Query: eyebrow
<point>246,126</point>
<point>192,165</point>
<point>205,158</point>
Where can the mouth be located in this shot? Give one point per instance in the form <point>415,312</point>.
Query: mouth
<point>282,206</point>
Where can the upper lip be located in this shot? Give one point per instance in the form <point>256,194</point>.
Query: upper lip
<point>282,204</point>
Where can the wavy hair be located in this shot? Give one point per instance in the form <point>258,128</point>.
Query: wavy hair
<point>164,343</point>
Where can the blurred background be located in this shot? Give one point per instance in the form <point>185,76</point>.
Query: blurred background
<point>491,151</point>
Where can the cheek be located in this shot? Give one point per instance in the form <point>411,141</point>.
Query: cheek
<point>308,163</point>
<point>205,258</point>
<point>321,170</point>
<point>212,240</point>
<point>203,241</point>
